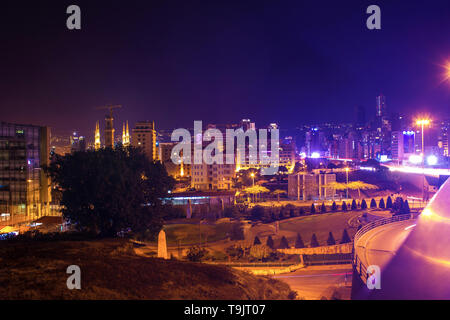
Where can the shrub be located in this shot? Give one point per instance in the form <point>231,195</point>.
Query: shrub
<point>291,213</point>
<point>323,209</point>
<point>389,203</point>
<point>334,207</point>
<point>373,204</point>
<point>196,254</point>
<point>273,216</point>
<point>235,251</point>
<point>405,208</point>
<point>363,204</point>
<point>284,244</point>
<point>344,206</point>
<point>381,205</point>
<point>299,242</point>
<point>257,213</point>
<point>231,212</point>
<point>313,209</point>
<point>256,241</point>
<point>314,242</point>
<point>354,206</point>
<point>260,251</point>
<point>345,237</point>
<point>330,240</point>
<point>269,242</point>
<point>301,212</point>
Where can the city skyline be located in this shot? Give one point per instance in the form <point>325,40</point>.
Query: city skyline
<point>215,63</point>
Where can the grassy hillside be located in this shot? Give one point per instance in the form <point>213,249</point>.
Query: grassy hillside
<point>111,270</point>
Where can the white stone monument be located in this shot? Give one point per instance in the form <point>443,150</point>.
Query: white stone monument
<point>162,245</point>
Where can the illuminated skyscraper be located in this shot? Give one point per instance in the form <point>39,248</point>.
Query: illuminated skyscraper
<point>381,106</point>
<point>97,143</point>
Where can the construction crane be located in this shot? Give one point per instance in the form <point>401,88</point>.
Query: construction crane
<point>110,107</point>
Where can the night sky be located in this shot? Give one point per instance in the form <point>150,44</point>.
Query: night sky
<point>174,62</point>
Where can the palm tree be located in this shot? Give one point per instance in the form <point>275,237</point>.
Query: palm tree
<point>336,186</point>
<point>256,189</point>
<point>278,192</point>
<point>360,185</point>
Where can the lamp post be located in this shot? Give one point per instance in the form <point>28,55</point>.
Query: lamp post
<point>422,123</point>
<point>346,190</point>
<point>253,178</point>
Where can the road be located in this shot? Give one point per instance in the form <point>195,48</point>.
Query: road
<point>313,283</point>
<point>378,246</point>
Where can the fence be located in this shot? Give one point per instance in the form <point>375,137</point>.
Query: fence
<point>358,265</point>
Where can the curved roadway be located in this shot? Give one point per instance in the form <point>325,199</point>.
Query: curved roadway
<point>379,245</point>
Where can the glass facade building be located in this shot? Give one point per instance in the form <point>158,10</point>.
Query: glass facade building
<point>24,186</point>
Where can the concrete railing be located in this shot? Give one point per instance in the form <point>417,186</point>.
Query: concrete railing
<point>358,265</point>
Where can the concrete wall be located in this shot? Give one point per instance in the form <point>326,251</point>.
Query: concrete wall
<point>339,248</point>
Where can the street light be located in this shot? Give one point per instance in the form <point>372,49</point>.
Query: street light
<point>253,177</point>
<point>346,190</point>
<point>422,123</point>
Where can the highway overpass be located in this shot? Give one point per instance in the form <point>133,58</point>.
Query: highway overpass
<point>413,254</point>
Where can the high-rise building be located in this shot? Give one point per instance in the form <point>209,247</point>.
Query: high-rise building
<point>381,106</point>
<point>109,131</point>
<point>144,136</point>
<point>360,116</point>
<point>24,186</point>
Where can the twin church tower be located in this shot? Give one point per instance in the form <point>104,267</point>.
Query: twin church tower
<point>143,135</point>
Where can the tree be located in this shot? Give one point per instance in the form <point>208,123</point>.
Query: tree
<point>345,237</point>
<point>389,203</point>
<point>405,208</point>
<point>257,213</point>
<point>269,242</point>
<point>336,186</point>
<point>291,213</point>
<point>278,192</point>
<point>330,240</point>
<point>313,209</point>
<point>256,190</point>
<point>256,241</point>
<point>360,185</point>
<point>363,204</point>
<point>323,209</point>
<point>111,191</point>
<point>381,205</point>
<point>273,216</point>
<point>373,204</point>
<point>299,242</point>
<point>260,251</point>
<point>230,212</point>
<point>334,207</point>
<point>284,244</point>
<point>354,206</point>
<point>344,206</point>
<point>314,242</point>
